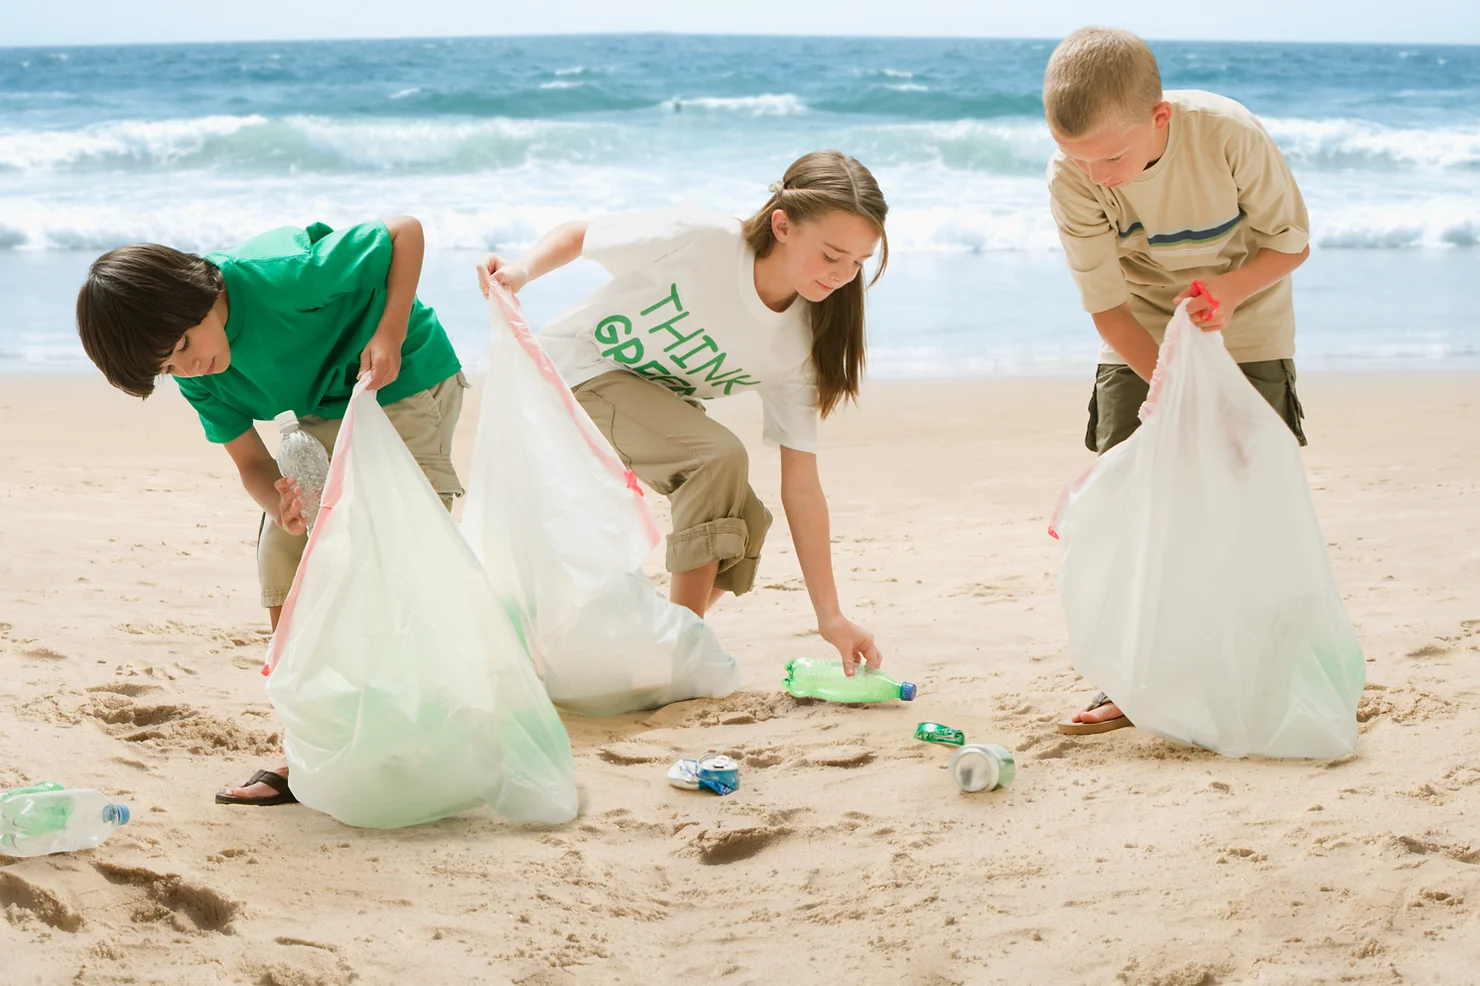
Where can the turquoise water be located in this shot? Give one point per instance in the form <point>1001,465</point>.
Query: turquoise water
<point>492,141</point>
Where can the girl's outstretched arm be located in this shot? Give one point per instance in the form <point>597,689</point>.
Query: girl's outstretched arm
<point>555,249</point>
<point>806,515</point>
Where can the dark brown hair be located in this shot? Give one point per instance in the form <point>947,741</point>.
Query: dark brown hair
<point>135,307</point>
<point>813,186</point>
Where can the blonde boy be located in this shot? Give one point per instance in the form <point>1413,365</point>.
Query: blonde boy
<point>1152,191</point>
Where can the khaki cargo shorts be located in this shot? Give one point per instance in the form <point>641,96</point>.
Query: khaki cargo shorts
<point>425,422</point>
<point>698,463</point>
<point>1115,405</point>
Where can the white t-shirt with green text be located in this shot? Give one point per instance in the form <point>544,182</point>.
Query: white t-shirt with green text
<point>681,309</point>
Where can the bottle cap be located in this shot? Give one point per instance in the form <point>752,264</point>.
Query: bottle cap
<point>286,422</point>
<point>117,814</point>
<point>907,691</point>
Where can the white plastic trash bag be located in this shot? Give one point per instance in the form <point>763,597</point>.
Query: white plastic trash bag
<point>548,492</point>
<point>1195,579</point>
<point>405,693</point>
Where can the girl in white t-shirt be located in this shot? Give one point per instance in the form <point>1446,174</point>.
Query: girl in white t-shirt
<point>700,306</point>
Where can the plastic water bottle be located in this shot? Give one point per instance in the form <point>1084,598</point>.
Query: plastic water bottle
<point>806,678</point>
<point>47,818</point>
<point>301,458</point>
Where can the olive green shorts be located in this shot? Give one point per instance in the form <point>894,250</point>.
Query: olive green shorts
<point>1115,405</point>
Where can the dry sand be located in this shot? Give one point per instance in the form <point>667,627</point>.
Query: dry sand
<point>131,641</point>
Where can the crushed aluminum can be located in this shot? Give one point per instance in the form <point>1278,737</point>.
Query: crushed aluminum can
<point>934,732</point>
<point>983,767</point>
<point>713,772</point>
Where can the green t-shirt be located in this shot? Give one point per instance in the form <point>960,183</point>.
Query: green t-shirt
<point>302,304</point>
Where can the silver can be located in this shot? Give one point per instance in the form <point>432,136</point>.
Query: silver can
<point>983,767</point>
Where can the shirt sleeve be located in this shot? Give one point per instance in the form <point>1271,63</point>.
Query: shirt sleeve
<point>1267,192</point>
<point>631,241</point>
<point>333,263</point>
<point>222,422</point>
<point>1089,239</point>
<point>789,412</point>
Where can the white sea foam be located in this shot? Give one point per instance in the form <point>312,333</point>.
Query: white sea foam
<point>767,104</point>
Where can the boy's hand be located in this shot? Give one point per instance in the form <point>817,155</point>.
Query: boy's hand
<point>1211,315</point>
<point>290,509</point>
<point>853,642</point>
<point>382,358</point>
<point>510,276</point>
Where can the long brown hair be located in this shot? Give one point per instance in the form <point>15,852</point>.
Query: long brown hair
<point>813,186</point>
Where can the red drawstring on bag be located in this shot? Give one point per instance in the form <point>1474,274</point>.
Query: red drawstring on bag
<point>1199,289</point>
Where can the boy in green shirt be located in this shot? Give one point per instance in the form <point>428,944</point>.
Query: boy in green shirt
<point>1152,191</point>
<point>286,322</point>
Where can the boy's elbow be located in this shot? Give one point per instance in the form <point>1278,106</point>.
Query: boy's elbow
<point>398,225</point>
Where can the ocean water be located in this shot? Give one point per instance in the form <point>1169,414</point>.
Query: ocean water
<point>492,141</point>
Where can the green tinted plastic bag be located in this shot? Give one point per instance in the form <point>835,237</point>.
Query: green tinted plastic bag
<point>405,692</point>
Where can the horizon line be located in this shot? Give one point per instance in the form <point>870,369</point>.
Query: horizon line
<point>714,34</point>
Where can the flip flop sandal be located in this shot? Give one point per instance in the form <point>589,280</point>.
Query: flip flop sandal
<point>1071,728</point>
<point>272,779</point>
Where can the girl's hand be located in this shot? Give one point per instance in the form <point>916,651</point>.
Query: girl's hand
<point>494,268</point>
<point>290,508</point>
<point>853,642</point>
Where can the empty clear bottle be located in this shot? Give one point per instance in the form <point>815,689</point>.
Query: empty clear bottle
<point>301,458</point>
<point>807,678</point>
<point>46,818</point>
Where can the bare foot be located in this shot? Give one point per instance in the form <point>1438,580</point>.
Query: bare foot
<point>258,790</point>
<point>1102,714</point>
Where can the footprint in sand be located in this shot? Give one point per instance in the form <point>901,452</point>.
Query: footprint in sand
<point>303,963</point>
<point>170,898</point>
<point>171,725</point>
<point>841,756</point>
<point>1057,751</point>
<point>741,708</point>
<point>128,688</point>
<point>717,847</point>
<point>762,757</point>
<point>121,710</point>
<point>36,902</point>
<point>136,893</point>
<point>1426,846</point>
<point>628,753</point>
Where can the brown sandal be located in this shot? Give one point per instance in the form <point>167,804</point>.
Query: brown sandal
<point>1072,728</point>
<point>272,779</point>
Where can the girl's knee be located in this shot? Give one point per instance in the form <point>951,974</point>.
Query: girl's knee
<point>725,457</point>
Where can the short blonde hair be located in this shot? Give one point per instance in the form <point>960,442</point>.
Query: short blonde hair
<point>1096,72</point>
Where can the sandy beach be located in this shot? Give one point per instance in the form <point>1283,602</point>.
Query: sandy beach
<point>131,642</point>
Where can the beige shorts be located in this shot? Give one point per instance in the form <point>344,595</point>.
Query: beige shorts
<point>425,421</point>
<point>696,462</point>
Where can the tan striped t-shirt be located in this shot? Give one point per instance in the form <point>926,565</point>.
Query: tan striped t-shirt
<point>1219,194</point>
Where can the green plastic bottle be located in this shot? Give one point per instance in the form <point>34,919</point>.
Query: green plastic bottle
<point>806,678</point>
